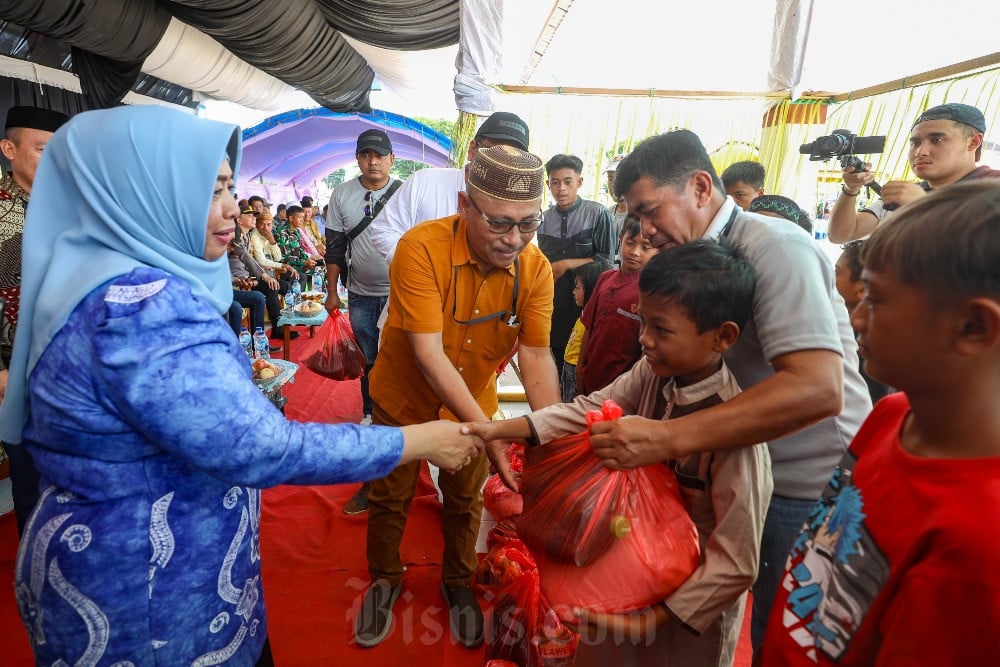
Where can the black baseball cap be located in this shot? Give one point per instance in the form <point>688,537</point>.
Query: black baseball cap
<point>960,113</point>
<point>374,140</point>
<point>505,126</point>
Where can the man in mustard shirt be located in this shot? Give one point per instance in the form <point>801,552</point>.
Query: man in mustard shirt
<point>463,290</point>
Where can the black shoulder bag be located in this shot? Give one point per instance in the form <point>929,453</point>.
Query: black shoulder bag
<point>362,226</point>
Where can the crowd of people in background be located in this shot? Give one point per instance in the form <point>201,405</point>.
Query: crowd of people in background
<point>744,358</point>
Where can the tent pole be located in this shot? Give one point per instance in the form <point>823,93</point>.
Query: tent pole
<point>965,67</point>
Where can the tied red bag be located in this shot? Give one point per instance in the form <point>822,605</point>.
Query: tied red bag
<point>524,629</point>
<point>604,540</point>
<point>501,502</point>
<point>334,352</point>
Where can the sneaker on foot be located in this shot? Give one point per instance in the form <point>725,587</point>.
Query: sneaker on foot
<point>359,502</point>
<point>366,420</point>
<point>464,615</point>
<point>372,624</point>
<point>280,333</point>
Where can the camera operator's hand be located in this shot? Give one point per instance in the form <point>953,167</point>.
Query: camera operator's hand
<point>854,181</point>
<point>899,193</point>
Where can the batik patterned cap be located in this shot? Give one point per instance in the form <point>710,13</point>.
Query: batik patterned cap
<point>507,173</point>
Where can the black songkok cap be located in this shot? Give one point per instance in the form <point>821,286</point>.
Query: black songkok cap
<point>35,118</point>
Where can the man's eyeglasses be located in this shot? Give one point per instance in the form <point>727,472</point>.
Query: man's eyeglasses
<point>368,203</point>
<point>504,226</point>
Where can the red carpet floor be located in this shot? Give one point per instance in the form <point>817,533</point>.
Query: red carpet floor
<point>315,572</point>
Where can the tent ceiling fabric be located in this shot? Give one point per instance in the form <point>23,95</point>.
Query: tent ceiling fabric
<point>732,45</point>
<point>296,41</point>
<point>406,25</point>
<point>194,60</point>
<point>302,146</point>
<point>282,36</point>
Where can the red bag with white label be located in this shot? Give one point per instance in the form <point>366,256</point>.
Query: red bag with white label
<point>605,540</point>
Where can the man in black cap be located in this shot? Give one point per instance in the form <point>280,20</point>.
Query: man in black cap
<point>945,143</point>
<point>353,207</point>
<point>430,194</point>
<point>26,132</point>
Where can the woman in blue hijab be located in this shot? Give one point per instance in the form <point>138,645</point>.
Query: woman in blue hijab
<point>136,401</point>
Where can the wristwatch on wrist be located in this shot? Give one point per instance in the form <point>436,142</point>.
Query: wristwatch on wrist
<point>843,188</point>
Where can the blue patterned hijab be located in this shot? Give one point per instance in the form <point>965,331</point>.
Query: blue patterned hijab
<point>115,190</point>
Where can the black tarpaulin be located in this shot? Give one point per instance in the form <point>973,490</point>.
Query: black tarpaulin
<point>296,41</point>
<point>403,25</point>
<point>290,40</point>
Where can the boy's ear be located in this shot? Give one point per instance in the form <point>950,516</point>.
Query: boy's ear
<point>979,327</point>
<point>726,336</point>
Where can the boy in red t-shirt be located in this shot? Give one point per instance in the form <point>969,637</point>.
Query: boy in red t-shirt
<point>611,317</point>
<point>897,563</point>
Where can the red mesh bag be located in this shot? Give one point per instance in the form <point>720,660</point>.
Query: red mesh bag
<point>334,352</point>
<point>605,540</point>
<point>497,498</point>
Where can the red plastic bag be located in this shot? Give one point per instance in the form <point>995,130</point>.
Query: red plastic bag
<point>570,498</point>
<point>497,498</point>
<point>334,352</point>
<point>524,629</point>
<point>605,540</point>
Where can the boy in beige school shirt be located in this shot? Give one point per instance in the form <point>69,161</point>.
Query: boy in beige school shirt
<point>693,300</point>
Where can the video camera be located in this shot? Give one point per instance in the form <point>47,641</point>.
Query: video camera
<point>846,145</point>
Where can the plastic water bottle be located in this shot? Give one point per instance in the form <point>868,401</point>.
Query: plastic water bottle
<point>296,292</point>
<point>246,341</point>
<point>289,299</point>
<point>261,346</point>
<point>318,279</point>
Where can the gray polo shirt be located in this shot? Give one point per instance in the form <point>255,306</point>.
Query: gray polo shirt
<point>796,307</point>
<point>369,275</point>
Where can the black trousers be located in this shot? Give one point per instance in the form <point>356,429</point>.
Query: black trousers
<point>24,479</point>
<point>272,298</point>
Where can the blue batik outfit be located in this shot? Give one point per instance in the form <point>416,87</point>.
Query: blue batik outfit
<point>136,400</point>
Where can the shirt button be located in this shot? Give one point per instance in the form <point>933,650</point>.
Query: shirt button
<point>468,340</point>
<point>475,312</point>
<point>460,369</point>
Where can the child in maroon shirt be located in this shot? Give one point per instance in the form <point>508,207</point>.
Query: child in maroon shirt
<point>611,320</point>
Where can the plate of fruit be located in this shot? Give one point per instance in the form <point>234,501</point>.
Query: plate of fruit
<point>264,369</point>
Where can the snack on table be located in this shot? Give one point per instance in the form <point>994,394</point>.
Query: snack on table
<point>319,297</point>
<point>309,308</point>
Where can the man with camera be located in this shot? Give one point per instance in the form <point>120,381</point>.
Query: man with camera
<point>945,143</point>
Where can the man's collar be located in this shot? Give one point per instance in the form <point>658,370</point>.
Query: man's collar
<point>721,219</point>
<point>573,206</point>
<point>11,187</point>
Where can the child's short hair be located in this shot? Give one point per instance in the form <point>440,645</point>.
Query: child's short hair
<point>630,227</point>
<point>712,281</point>
<point>560,161</point>
<point>852,258</point>
<point>749,172</point>
<point>947,242</point>
<point>588,274</point>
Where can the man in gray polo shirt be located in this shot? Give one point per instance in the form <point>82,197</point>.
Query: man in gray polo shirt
<point>352,204</point>
<point>796,360</point>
